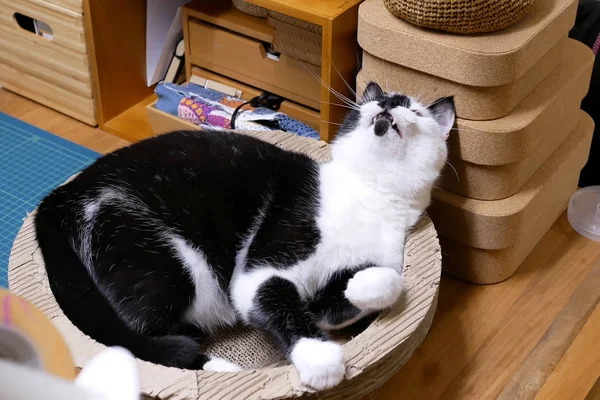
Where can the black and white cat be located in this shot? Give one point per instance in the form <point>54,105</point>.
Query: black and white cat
<point>161,243</point>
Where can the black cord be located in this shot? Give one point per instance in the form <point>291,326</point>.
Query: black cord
<point>236,111</point>
<point>266,100</point>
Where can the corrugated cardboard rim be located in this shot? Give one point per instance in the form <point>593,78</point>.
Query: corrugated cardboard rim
<point>372,357</point>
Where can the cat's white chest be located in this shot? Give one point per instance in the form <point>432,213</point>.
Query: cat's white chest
<point>365,230</point>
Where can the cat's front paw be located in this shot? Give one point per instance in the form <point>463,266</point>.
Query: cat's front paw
<point>320,364</point>
<point>375,288</point>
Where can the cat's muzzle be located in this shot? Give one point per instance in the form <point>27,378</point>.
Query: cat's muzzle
<point>383,122</point>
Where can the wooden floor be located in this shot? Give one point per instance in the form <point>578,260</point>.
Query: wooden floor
<point>481,335</point>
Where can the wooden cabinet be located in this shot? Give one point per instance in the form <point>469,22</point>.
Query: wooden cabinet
<point>52,69</point>
<point>117,30</point>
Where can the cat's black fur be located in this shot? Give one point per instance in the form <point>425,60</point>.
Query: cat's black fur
<point>205,186</point>
<point>158,244</point>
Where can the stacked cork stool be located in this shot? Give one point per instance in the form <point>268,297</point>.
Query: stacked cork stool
<point>521,139</point>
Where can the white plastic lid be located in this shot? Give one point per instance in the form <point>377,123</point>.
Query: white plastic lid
<point>584,212</point>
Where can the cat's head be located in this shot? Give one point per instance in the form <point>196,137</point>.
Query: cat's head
<point>394,128</point>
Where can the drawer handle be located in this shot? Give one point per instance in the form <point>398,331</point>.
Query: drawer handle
<point>35,26</point>
<point>267,52</point>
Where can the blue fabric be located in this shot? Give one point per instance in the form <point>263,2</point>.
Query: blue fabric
<point>289,124</point>
<point>170,94</point>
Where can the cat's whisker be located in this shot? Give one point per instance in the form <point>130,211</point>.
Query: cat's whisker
<point>430,105</point>
<point>385,76</point>
<point>463,129</point>
<point>454,169</point>
<point>345,82</point>
<point>337,94</point>
<point>339,105</point>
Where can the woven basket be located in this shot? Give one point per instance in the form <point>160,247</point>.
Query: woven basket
<point>372,356</point>
<point>250,9</point>
<point>461,16</point>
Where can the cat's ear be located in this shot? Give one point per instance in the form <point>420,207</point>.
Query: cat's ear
<point>443,112</point>
<point>372,92</point>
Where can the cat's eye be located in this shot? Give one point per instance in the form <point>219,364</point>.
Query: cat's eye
<point>417,112</point>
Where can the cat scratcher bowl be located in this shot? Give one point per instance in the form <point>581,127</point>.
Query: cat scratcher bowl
<point>461,16</point>
<point>372,356</point>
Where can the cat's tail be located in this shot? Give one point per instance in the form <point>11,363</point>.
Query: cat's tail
<point>82,302</point>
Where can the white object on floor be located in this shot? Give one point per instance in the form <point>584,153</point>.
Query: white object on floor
<point>584,212</point>
<point>110,375</point>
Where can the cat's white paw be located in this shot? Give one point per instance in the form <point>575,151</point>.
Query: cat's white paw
<point>375,288</point>
<point>320,364</point>
<point>217,364</point>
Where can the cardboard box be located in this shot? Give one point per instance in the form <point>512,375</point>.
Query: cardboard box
<point>477,103</point>
<point>491,59</point>
<point>486,241</point>
<point>492,159</point>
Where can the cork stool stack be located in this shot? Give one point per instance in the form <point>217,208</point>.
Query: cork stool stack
<point>521,139</point>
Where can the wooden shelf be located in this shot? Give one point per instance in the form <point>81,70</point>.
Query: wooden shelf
<point>116,39</point>
<point>221,13</point>
<point>132,124</point>
<point>316,11</point>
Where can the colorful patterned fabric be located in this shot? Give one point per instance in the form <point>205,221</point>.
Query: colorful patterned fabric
<point>202,106</point>
<point>596,46</point>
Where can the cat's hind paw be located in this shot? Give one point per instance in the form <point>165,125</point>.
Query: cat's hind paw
<point>320,364</point>
<point>375,288</point>
<point>216,364</point>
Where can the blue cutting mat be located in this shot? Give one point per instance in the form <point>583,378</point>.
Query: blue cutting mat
<point>32,162</point>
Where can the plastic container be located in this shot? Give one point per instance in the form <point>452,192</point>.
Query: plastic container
<point>584,212</point>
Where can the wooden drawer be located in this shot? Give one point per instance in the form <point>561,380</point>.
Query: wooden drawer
<point>294,110</point>
<point>245,60</point>
<point>56,97</point>
<point>163,122</point>
<point>66,25</point>
<point>73,5</point>
<point>52,71</point>
<point>32,59</point>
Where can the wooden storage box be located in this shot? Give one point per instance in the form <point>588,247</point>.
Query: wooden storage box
<point>489,73</point>
<point>163,122</point>
<point>492,159</point>
<point>486,241</point>
<point>53,71</point>
<point>245,59</point>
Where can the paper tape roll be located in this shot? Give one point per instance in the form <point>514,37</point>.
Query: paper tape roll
<point>28,337</point>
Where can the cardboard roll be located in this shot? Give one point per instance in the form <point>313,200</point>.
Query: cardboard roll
<point>27,337</point>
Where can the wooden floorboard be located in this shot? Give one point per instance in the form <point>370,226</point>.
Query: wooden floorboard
<point>481,335</point>
<point>58,124</point>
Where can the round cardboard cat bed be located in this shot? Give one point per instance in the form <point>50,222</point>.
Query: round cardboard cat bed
<point>372,356</point>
